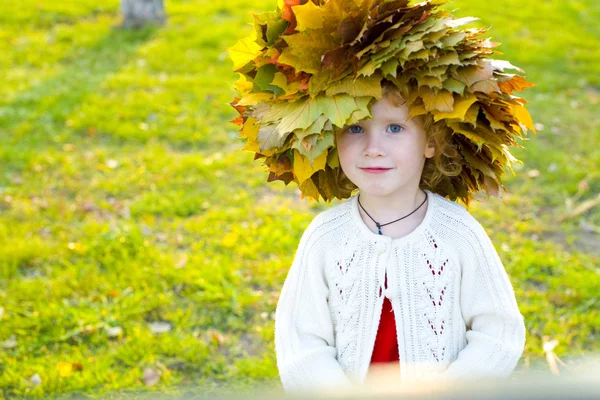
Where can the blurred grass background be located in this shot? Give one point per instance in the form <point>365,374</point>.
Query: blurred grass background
<point>142,250</point>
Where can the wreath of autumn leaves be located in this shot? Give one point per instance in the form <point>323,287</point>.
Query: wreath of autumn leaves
<point>314,66</point>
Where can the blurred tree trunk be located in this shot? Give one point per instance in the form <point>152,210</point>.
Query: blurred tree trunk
<point>137,13</point>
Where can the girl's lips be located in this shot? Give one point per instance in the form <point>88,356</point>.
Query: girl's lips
<point>375,170</point>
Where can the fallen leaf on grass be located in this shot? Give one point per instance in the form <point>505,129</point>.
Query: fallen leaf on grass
<point>551,357</point>
<point>10,343</point>
<point>113,331</point>
<point>36,380</point>
<point>581,208</point>
<point>182,261</point>
<point>160,327</point>
<point>151,377</point>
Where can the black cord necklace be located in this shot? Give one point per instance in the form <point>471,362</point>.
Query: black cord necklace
<point>379,225</point>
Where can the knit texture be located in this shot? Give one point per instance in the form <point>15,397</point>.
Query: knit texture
<point>455,309</point>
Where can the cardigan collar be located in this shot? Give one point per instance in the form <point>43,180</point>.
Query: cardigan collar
<point>431,205</point>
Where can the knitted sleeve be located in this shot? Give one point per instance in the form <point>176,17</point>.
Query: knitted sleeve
<point>304,334</point>
<point>496,338</point>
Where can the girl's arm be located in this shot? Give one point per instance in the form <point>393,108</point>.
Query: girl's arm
<point>497,337</point>
<point>304,335</point>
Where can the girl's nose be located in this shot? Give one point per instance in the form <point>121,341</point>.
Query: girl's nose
<point>373,145</point>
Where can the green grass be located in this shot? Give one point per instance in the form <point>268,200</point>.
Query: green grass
<point>125,198</point>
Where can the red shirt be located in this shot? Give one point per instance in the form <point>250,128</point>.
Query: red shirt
<point>386,342</point>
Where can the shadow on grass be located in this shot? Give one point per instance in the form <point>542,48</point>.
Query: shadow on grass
<point>36,114</point>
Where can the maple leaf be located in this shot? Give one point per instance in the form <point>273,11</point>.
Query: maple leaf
<point>314,66</point>
<point>243,52</point>
<point>357,87</point>
<point>442,100</point>
<point>304,50</point>
<point>460,108</point>
<point>308,16</point>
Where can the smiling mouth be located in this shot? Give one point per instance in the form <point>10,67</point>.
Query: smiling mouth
<point>375,170</point>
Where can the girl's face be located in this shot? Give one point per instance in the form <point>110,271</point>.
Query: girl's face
<point>388,140</point>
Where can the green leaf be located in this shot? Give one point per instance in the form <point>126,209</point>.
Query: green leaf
<point>269,137</point>
<point>468,133</point>
<point>315,127</point>
<point>263,79</point>
<point>390,67</point>
<point>299,114</point>
<point>337,108</point>
<point>305,49</point>
<point>362,110</point>
<point>453,39</point>
<point>358,87</point>
<point>449,58</point>
<point>455,86</point>
<point>314,145</point>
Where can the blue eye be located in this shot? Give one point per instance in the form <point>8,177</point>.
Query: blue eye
<point>400,128</point>
<point>354,126</point>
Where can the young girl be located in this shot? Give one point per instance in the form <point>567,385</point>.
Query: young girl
<point>395,274</point>
<point>393,109</point>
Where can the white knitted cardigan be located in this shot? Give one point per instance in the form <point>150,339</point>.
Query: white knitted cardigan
<point>455,309</point>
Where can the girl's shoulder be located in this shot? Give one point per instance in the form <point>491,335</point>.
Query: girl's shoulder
<point>458,218</point>
<point>330,220</point>
<point>448,205</point>
<point>338,212</point>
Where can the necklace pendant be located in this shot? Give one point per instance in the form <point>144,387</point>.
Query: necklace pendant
<point>378,227</point>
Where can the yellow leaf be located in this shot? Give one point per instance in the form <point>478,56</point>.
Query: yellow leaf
<point>523,115</point>
<point>243,85</point>
<point>280,80</point>
<point>332,159</point>
<point>469,134</point>
<point>255,98</point>
<point>309,189</point>
<point>244,51</point>
<point>64,369</point>
<point>417,110</point>
<point>302,168</point>
<point>250,131</point>
<point>308,16</point>
<point>460,109</point>
<point>471,114</point>
<point>441,101</point>
<point>368,68</point>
